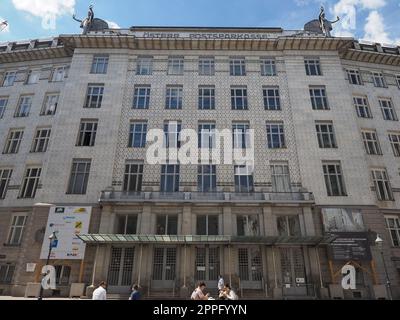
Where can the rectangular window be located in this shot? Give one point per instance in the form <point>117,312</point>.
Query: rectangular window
<point>3,105</point>
<point>371,142</point>
<point>24,107</point>
<point>175,65</point>
<point>13,141</point>
<point>127,224</point>
<point>59,73</point>
<point>239,98</point>
<point>334,179</point>
<point>87,133</point>
<point>41,140</point>
<point>319,99</point>
<point>313,67</point>
<point>167,225</point>
<point>207,225</point>
<point>280,177</point>
<point>207,136</point>
<point>388,110</point>
<point>379,80</point>
<point>170,178</point>
<point>276,135</point>
<point>9,78</point>
<point>237,66</point>
<point>207,178</point>
<point>248,226</point>
<point>30,183</point>
<point>63,274</point>
<point>144,66</point>
<point>79,179</point>
<point>133,177</point>
<point>174,97</point>
<point>50,104</point>
<point>100,64</point>
<point>326,135</point>
<point>94,96</point>
<point>382,185</point>
<point>289,226</point>
<point>362,107</point>
<point>137,134</point>
<point>241,135</point>
<point>206,66</point>
<point>393,225</point>
<point>354,77</point>
<point>268,67</point>
<point>33,77</point>
<point>172,133</point>
<point>244,179</point>
<point>141,99</point>
<point>5,177</point>
<point>206,97</point>
<point>272,99</point>
<point>6,273</point>
<point>16,230</point>
<point>394,138</point>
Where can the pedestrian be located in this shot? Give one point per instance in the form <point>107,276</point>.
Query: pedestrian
<point>135,295</point>
<point>100,293</point>
<point>198,293</point>
<point>229,294</point>
<point>221,284</point>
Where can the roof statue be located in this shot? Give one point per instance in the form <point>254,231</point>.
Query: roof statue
<point>3,25</point>
<point>325,24</point>
<point>90,23</point>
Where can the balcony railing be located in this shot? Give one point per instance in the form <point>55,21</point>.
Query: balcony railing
<point>120,196</point>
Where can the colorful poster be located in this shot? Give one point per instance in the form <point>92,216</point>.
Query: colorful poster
<point>67,223</point>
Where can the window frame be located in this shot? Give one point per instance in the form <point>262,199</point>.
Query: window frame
<point>323,97</point>
<point>135,176</point>
<point>281,135</point>
<point>388,110</point>
<point>24,106</point>
<point>237,66</point>
<point>142,127</point>
<point>204,63</point>
<point>166,175</point>
<point>327,139</point>
<point>100,64</point>
<point>29,178</point>
<point>47,106</point>
<point>385,183</point>
<point>84,131</point>
<point>13,144</point>
<point>395,143</point>
<point>94,100</point>
<point>5,178</point>
<point>239,93</point>
<point>176,65</point>
<point>174,93</point>
<point>40,143</point>
<point>338,175</point>
<point>268,63</point>
<point>141,65</point>
<point>364,106</point>
<point>313,66</point>
<point>371,142</point>
<point>203,175</point>
<point>272,102</point>
<point>73,177</point>
<point>141,97</point>
<point>203,97</point>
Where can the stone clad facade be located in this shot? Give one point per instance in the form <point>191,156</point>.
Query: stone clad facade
<point>269,242</point>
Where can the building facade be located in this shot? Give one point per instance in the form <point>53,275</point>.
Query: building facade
<point>75,114</point>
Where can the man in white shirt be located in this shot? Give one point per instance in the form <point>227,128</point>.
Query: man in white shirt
<point>221,284</point>
<point>229,294</point>
<point>100,293</point>
<point>198,292</point>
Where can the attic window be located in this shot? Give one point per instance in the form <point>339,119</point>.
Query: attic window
<point>17,47</point>
<point>43,44</point>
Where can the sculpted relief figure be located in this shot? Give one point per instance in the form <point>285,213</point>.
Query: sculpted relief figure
<point>87,22</point>
<point>325,24</point>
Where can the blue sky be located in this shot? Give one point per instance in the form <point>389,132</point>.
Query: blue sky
<point>373,20</point>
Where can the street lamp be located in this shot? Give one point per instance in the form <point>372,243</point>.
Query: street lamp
<point>53,241</point>
<point>379,243</point>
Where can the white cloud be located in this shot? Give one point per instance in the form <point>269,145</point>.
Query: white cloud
<point>113,25</point>
<point>375,29</point>
<point>6,29</point>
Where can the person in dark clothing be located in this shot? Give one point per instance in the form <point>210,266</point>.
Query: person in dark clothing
<point>135,295</point>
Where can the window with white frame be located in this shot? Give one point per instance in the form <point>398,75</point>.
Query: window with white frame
<point>50,104</point>
<point>167,225</point>
<point>170,176</point>
<point>144,65</point>
<point>272,99</point>
<point>207,178</point>
<point>354,77</point>
<point>79,178</point>
<point>126,224</point>
<point>382,185</point>
<point>268,67</point>
<point>137,134</point>
<point>87,133</point>
<point>94,96</point>
<point>313,67</point>
<point>30,183</point>
<point>206,97</point>
<point>207,135</point>
<point>41,140</point>
<point>393,225</point>
<point>326,134</point>
<point>13,141</point>
<point>239,98</point>
<point>241,135</point>
<point>176,65</point>
<point>24,106</point>
<point>9,78</point>
<point>59,73</point>
<point>100,64</point>
<point>5,177</point>
<point>276,135</point>
<point>334,179</point>
<point>206,66</point>
<point>6,273</point>
<point>3,105</point>
<point>33,77</point>
<point>248,225</point>
<point>63,274</point>
<point>379,80</point>
<point>371,142</point>
<point>16,230</point>
<point>280,177</point>
<point>394,138</point>
<point>237,66</point>
<point>289,226</point>
<point>141,99</point>
<point>319,99</point>
<point>133,177</point>
<point>174,97</point>
<point>207,225</point>
<point>244,179</point>
<point>362,107</point>
<point>172,133</point>
<point>388,110</point>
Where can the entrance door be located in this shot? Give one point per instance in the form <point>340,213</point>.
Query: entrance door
<point>250,268</point>
<point>120,271</point>
<point>164,268</point>
<point>208,266</point>
<point>294,277</point>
